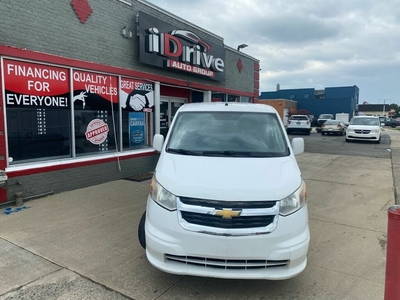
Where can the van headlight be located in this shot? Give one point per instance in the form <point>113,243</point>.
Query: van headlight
<point>293,202</point>
<point>375,131</point>
<point>161,196</point>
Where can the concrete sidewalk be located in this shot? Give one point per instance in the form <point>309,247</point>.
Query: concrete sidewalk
<point>83,244</point>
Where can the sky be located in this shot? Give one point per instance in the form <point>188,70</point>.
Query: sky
<point>309,43</point>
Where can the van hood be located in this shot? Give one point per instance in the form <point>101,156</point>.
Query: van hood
<point>228,178</point>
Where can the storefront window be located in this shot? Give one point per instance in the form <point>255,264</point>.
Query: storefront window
<point>233,98</point>
<point>37,110</point>
<point>95,99</point>
<point>37,133</point>
<point>40,107</point>
<point>137,105</point>
<point>217,97</point>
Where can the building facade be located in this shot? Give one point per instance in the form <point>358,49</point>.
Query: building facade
<point>331,100</point>
<point>86,84</point>
<point>383,110</point>
<point>285,108</point>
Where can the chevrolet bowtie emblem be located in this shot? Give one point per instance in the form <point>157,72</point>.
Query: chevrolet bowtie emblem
<point>228,213</point>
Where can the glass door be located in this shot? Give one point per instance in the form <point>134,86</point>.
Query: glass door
<point>168,108</point>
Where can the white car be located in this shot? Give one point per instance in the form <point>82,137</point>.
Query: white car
<point>299,123</point>
<point>364,128</point>
<point>227,198</point>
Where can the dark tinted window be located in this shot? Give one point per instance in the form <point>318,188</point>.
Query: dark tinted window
<point>332,122</point>
<point>299,118</point>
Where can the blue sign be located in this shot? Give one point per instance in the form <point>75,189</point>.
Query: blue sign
<point>136,128</point>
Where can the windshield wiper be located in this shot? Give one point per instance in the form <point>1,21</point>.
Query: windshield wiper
<point>235,153</point>
<point>184,151</point>
<point>243,153</point>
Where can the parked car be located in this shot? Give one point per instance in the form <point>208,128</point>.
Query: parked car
<point>334,127</point>
<point>299,123</point>
<point>389,122</point>
<point>364,128</point>
<point>227,198</point>
<point>323,117</point>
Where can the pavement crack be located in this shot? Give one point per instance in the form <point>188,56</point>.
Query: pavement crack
<point>168,289</point>
<point>344,273</point>
<point>347,225</point>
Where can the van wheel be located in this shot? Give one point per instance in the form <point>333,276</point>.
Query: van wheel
<point>141,231</point>
<point>347,140</point>
<point>393,125</point>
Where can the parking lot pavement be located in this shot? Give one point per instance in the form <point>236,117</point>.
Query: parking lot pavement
<point>83,244</point>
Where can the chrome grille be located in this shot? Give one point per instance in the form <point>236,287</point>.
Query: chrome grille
<point>234,223</point>
<point>227,264</point>
<point>228,218</point>
<point>360,131</point>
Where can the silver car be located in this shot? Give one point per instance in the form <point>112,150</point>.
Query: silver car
<point>333,127</point>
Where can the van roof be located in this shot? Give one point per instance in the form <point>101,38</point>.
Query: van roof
<point>359,117</point>
<point>227,106</point>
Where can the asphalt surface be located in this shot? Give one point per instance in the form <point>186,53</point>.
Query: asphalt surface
<point>83,244</point>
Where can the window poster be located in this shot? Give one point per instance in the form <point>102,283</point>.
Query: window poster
<point>136,128</point>
<point>95,99</point>
<point>136,95</point>
<point>30,85</point>
<point>37,103</point>
<point>94,91</point>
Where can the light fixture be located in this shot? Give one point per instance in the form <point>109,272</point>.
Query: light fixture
<point>126,33</point>
<point>123,31</point>
<point>241,47</point>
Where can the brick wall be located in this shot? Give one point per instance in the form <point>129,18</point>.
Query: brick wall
<point>53,27</point>
<point>79,177</point>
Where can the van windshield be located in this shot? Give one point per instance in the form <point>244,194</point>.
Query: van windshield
<point>234,134</point>
<point>365,121</point>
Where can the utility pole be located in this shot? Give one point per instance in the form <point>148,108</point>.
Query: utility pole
<point>384,103</point>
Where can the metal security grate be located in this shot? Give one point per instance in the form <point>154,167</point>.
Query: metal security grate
<point>238,264</point>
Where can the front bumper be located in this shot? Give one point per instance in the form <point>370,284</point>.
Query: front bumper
<point>280,254</point>
<point>363,136</point>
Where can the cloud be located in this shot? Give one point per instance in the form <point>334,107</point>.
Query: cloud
<point>309,43</point>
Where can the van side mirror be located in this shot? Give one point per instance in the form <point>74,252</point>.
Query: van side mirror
<point>298,146</point>
<point>158,142</point>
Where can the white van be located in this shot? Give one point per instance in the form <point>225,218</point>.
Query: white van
<point>227,198</point>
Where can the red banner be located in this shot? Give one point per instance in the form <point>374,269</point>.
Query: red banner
<point>34,79</point>
<point>106,86</point>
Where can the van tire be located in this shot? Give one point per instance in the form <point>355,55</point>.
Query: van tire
<point>141,231</point>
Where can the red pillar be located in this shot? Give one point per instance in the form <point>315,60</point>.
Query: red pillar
<point>392,281</point>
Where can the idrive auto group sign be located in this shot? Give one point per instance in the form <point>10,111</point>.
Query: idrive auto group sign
<point>164,45</point>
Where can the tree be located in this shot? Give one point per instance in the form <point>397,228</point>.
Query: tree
<point>298,112</point>
<point>396,110</point>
